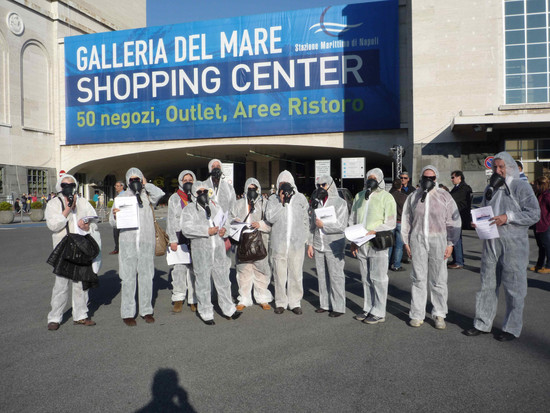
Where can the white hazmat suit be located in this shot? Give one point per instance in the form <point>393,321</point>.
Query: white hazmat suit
<point>289,233</point>
<point>253,274</point>
<point>57,222</point>
<point>224,193</point>
<point>210,261</point>
<point>182,274</point>
<point>137,251</point>
<point>504,260</point>
<point>428,228</point>
<point>378,213</point>
<point>328,244</point>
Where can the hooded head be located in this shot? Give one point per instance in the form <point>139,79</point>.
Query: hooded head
<point>182,174</point>
<point>197,185</point>
<point>377,172</point>
<point>133,172</point>
<point>286,176</point>
<point>252,181</point>
<point>61,178</point>
<point>331,186</point>
<point>431,167</point>
<point>512,171</point>
<point>211,164</point>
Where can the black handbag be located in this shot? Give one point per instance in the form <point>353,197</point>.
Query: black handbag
<point>251,247</point>
<point>383,240</point>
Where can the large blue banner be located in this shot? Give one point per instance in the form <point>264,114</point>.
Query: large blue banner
<point>329,69</point>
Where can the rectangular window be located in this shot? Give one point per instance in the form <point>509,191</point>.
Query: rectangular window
<point>1,180</point>
<point>37,181</point>
<point>527,50</point>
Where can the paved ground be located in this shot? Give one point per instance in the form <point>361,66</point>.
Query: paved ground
<point>261,362</point>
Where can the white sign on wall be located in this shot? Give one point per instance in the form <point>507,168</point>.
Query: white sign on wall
<point>227,169</point>
<point>322,167</point>
<point>353,168</point>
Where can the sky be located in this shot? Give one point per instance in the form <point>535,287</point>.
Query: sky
<point>161,12</point>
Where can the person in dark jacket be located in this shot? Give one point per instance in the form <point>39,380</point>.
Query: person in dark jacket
<point>542,228</point>
<point>462,194</point>
<point>406,186</point>
<point>396,253</point>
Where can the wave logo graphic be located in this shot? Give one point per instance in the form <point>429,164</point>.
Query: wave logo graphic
<point>332,29</point>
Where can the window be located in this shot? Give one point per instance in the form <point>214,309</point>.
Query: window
<point>526,37</point>
<point>1,180</point>
<point>37,181</point>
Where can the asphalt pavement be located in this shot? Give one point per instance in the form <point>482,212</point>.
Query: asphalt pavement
<point>261,362</point>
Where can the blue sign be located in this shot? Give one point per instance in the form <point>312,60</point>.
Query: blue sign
<point>318,70</point>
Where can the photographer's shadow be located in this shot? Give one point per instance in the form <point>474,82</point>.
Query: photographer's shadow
<point>168,396</point>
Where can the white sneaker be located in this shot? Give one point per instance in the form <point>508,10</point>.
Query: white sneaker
<point>416,323</point>
<point>440,323</point>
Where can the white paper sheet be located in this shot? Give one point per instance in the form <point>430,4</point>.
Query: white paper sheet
<point>484,229</point>
<point>220,218</point>
<point>236,229</point>
<point>357,234</point>
<point>326,215</point>
<point>180,256</point>
<point>127,217</point>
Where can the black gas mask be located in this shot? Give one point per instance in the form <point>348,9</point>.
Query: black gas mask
<point>202,200</point>
<point>216,173</point>
<point>186,187</point>
<point>68,191</point>
<point>136,186</point>
<point>427,183</point>
<point>318,196</point>
<point>370,186</point>
<point>495,182</point>
<point>287,191</point>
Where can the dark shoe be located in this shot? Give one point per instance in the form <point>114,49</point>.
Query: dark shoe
<point>236,315</point>
<point>209,322</point>
<point>335,314</point>
<point>505,336</point>
<point>393,268</point>
<point>114,252</point>
<point>297,310</point>
<point>320,310</point>
<point>279,310</point>
<point>455,266</point>
<point>53,326</point>
<point>473,332</point>
<point>84,322</point>
<point>149,319</point>
<point>361,316</point>
<point>130,322</point>
<point>372,319</point>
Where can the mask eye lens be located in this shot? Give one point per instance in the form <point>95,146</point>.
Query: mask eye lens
<point>431,178</point>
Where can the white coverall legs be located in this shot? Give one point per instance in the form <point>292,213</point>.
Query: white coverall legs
<point>183,280</point>
<point>332,282</point>
<point>429,273</point>
<point>60,297</point>
<point>203,291</point>
<point>130,262</point>
<point>248,277</point>
<point>288,276</point>
<point>374,276</point>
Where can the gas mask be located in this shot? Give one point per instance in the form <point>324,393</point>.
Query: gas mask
<point>216,173</point>
<point>370,186</point>
<point>251,194</point>
<point>318,196</point>
<point>68,191</point>
<point>287,190</point>
<point>136,186</point>
<point>427,183</point>
<point>495,182</point>
<point>202,200</point>
<point>186,187</point>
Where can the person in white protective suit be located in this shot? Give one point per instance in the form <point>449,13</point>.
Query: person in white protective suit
<point>182,274</point>
<point>374,209</point>
<point>60,213</point>
<point>326,243</point>
<point>288,214</point>
<point>137,249</point>
<point>251,209</point>
<point>504,260</point>
<point>224,193</point>
<point>430,226</point>
<point>210,261</point>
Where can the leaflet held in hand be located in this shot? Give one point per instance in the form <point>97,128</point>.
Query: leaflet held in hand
<point>127,216</point>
